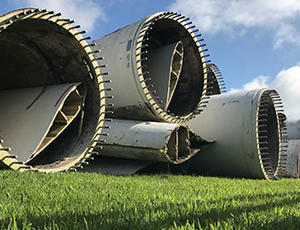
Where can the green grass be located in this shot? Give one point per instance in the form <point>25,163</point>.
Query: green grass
<point>94,201</point>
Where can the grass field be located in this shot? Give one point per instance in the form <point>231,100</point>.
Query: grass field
<point>94,201</point>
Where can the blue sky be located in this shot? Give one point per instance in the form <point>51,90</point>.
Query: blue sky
<point>255,43</point>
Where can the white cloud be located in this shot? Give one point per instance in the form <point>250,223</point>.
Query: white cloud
<point>286,34</point>
<point>83,12</point>
<point>236,16</point>
<point>257,83</point>
<point>286,83</point>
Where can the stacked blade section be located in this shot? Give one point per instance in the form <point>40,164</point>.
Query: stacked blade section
<point>158,74</point>
<point>157,67</point>
<point>53,97</point>
<point>67,122</point>
<point>56,90</point>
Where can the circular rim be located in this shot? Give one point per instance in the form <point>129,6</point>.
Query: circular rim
<point>140,43</point>
<point>94,69</point>
<point>261,117</point>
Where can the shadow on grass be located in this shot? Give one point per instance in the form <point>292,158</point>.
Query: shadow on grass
<point>163,215</point>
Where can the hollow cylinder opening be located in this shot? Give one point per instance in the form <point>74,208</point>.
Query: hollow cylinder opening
<point>178,148</point>
<point>41,53</point>
<point>187,92</point>
<point>268,134</point>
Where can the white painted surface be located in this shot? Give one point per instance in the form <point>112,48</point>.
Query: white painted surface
<point>27,115</point>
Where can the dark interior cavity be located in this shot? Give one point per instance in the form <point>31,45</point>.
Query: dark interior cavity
<point>213,86</point>
<point>184,150</point>
<point>191,81</point>
<point>36,52</point>
<point>178,145</point>
<point>268,134</point>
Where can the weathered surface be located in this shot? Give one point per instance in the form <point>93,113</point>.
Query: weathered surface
<point>247,133</point>
<point>130,53</point>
